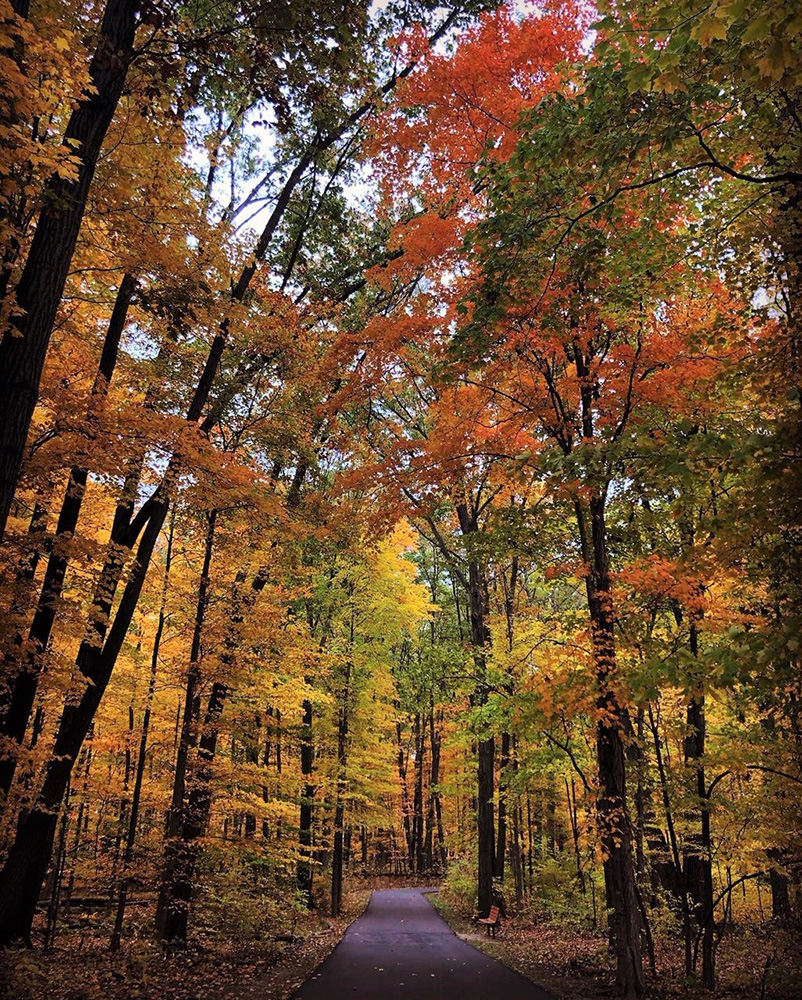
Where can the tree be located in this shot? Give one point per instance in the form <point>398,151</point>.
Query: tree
<point>41,284</point>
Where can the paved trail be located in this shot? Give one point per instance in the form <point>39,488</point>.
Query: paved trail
<point>402,949</point>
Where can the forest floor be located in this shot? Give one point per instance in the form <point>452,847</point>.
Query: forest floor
<point>569,962</point>
<point>80,967</point>
<point>575,964</point>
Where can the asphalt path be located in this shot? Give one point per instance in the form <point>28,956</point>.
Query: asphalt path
<point>402,948</point>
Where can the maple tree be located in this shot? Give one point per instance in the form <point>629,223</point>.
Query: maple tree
<point>400,468</point>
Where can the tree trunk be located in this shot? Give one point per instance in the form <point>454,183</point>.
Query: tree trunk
<point>183,850</point>
<point>405,806</point>
<point>17,708</point>
<point>41,284</point>
<point>32,548</point>
<point>136,797</point>
<point>170,923</point>
<point>780,897</point>
<point>501,844</point>
<point>698,866</point>
<point>640,800</point>
<point>438,812</point>
<point>339,808</point>
<point>478,604</point>
<point>58,876</point>
<point>530,839</point>
<point>417,813</point>
<point>305,870</point>
<point>615,830</point>
<point>189,722</point>
<point>510,587</point>
<point>570,794</point>
<point>484,822</point>
<point>678,881</point>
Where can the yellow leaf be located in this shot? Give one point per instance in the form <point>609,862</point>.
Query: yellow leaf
<point>709,29</point>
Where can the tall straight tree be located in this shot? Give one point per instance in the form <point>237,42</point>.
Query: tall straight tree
<point>41,285</point>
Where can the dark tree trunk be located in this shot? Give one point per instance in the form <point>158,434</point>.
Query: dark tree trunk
<point>190,717</point>
<point>510,587</point>
<point>434,777</point>
<point>501,812</point>
<point>405,804</point>
<point>516,859</point>
<point>676,882</point>
<point>32,548</point>
<point>615,830</point>
<point>428,840</point>
<point>640,800</point>
<point>438,812</point>
<point>417,808</point>
<point>534,836</point>
<point>780,896</point>
<point>343,721</point>
<point>266,763</point>
<point>570,794</point>
<point>698,866</point>
<point>278,741</point>
<point>136,797</point>
<point>551,818</point>
<point>183,850</point>
<point>57,875</point>
<point>478,605</point>
<point>484,821</point>
<point>305,869</point>
<point>41,284</point>
<point>80,823</point>
<point>124,799</point>
<point>17,708</point>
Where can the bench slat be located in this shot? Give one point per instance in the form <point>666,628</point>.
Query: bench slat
<point>492,920</point>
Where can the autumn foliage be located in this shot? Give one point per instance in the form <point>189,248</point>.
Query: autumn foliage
<point>399,473</point>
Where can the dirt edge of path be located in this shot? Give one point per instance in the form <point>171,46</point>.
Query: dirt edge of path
<point>279,979</point>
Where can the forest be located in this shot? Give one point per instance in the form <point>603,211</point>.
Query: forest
<point>400,484</point>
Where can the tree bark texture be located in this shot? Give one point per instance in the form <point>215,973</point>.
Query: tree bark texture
<point>613,727</point>
<point>343,720</point>
<point>305,839</point>
<point>189,724</point>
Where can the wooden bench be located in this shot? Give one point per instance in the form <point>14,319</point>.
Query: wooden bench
<point>492,921</point>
